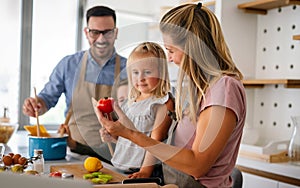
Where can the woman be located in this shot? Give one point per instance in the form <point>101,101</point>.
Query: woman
<point>210,103</point>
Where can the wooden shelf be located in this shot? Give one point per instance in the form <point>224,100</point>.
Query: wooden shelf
<point>209,3</point>
<point>262,6</point>
<point>259,83</point>
<point>296,37</point>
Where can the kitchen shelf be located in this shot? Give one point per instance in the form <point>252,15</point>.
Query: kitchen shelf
<point>260,83</point>
<point>262,6</point>
<point>296,37</point>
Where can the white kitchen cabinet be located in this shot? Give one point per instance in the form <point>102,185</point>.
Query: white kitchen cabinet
<point>250,181</point>
<point>285,185</point>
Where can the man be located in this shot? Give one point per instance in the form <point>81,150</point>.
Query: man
<point>80,77</point>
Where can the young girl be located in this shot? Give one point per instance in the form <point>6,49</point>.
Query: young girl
<point>210,103</point>
<point>147,105</point>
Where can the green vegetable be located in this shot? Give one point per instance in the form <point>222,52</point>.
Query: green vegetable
<point>99,180</point>
<point>88,176</point>
<point>105,176</point>
<point>98,177</point>
<point>96,174</point>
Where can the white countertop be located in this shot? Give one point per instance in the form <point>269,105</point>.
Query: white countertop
<point>284,169</point>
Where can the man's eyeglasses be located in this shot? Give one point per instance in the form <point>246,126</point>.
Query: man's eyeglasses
<point>108,33</point>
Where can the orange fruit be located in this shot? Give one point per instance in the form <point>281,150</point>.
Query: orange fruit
<point>92,164</point>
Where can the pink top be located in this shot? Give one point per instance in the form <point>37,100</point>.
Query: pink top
<point>230,93</point>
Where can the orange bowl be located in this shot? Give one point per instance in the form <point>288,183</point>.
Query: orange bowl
<point>6,131</point>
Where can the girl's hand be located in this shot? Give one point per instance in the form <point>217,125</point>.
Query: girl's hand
<point>117,128</point>
<point>106,137</point>
<point>139,174</point>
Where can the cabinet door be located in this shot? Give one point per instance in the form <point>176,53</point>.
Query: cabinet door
<point>285,185</point>
<point>250,181</point>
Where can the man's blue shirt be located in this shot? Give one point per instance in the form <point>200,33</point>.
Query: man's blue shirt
<point>64,76</point>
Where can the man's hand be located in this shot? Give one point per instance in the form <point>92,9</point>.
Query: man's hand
<point>30,106</point>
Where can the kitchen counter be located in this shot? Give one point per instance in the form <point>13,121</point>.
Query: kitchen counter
<point>283,169</point>
<point>280,172</point>
<point>19,144</point>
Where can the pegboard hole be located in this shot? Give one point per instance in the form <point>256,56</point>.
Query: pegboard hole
<point>292,46</point>
<point>293,27</point>
<point>274,123</point>
<point>265,30</point>
<point>288,125</point>
<point>291,66</point>
<point>290,105</point>
<point>276,86</point>
<point>275,104</point>
<point>278,29</point>
<point>279,9</point>
<point>264,49</point>
<point>262,104</point>
<point>277,67</point>
<point>261,122</point>
<point>294,7</point>
<point>277,48</point>
<point>263,67</point>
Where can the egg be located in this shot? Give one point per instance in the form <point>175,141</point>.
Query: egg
<point>22,161</point>
<point>7,160</point>
<point>16,158</point>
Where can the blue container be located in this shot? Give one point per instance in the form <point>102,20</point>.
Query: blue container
<point>54,147</point>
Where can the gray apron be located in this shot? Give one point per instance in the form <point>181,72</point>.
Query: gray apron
<point>173,176</point>
<point>83,123</point>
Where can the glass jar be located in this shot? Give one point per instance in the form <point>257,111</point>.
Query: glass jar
<point>294,146</point>
<point>38,162</point>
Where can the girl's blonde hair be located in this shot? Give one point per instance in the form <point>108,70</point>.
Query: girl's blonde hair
<point>150,52</point>
<point>196,30</point>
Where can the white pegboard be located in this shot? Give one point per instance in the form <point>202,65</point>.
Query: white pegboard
<point>277,57</point>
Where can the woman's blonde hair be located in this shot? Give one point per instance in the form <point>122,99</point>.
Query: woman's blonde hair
<point>196,30</point>
<point>152,53</point>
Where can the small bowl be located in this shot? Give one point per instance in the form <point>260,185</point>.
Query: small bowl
<point>6,131</point>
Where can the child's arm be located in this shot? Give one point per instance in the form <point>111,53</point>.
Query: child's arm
<point>160,132</point>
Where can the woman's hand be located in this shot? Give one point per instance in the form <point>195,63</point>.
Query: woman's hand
<point>115,128</point>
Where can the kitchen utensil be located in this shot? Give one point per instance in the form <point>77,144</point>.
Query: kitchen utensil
<point>294,146</point>
<point>37,114</point>
<point>62,131</point>
<point>54,147</point>
<point>111,151</point>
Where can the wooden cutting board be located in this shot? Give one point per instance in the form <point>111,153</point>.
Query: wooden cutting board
<point>78,171</point>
